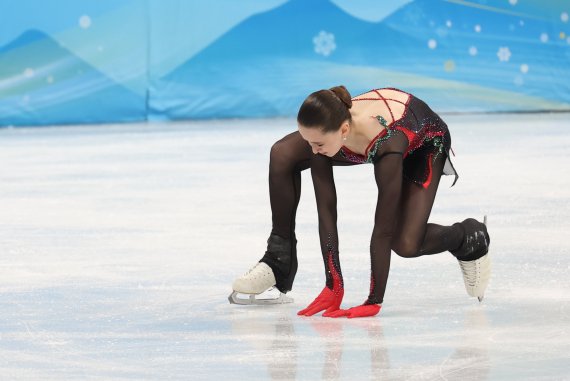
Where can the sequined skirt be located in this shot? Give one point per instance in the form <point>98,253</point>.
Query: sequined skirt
<point>429,140</point>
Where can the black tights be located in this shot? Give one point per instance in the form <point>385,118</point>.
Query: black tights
<point>413,237</point>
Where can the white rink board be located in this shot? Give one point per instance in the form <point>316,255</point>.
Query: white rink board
<point>119,244</point>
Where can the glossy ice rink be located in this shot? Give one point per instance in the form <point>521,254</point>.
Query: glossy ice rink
<point>119,244</point>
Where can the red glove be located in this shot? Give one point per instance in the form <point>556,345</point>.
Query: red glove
<point>328,300</point>
<point>364,310</point>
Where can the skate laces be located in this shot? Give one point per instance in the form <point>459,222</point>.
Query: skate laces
<point>471,271</point>
<point>476,272</point>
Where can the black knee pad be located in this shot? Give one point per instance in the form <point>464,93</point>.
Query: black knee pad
<point>281,256</point>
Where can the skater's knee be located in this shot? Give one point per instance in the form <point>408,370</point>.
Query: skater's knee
<point>290,153</point>
<point>407,248</point>
<point>279,157</point>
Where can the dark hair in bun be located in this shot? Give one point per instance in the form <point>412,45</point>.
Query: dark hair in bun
<point>326,109</point>
<point>342,93</point>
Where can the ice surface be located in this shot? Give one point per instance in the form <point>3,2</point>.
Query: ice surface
<point>119,244</point>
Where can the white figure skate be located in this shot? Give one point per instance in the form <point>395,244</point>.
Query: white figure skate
<point>257,286</point>
<point>476,274</point>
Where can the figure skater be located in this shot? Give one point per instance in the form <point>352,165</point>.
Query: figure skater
<point>408,146</point>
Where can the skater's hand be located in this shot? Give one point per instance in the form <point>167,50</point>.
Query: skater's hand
<point>328,300</point>
<point>364,310</point>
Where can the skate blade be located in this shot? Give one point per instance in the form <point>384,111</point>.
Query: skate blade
<point>266,298</point>
<point>480,298</point>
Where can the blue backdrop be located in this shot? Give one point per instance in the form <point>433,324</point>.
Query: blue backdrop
<point>92,61</point>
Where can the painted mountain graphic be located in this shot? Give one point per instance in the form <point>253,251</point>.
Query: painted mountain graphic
<point>270,50</point>
<point>290,30</point>
<point>26,38</point>
<point>43,83</point>
<point>305,45</point>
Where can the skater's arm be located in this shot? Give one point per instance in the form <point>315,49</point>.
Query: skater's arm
<point>388,174</point>
<point>325,194</point>
<point>330,298</point>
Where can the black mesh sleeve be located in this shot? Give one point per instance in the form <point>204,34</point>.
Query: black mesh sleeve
<point>325,193</point>
<point>388,167</point>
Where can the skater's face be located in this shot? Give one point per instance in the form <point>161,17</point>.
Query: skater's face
<point>325,143</point>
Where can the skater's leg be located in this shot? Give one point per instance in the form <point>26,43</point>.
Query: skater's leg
<point>289,156</point>
<point>467,240</point>
<point>417,237</point>
<point>414,236</point>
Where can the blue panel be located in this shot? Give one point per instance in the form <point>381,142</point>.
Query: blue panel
<point>100,61</point>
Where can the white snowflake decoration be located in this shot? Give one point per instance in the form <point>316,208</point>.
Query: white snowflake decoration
<point>564,16</point>
<point>85,22</point>
<point>544,37</point>
<point>504,54</point>
<point>524,68</point>
<point>473,51</point>
<point>324,43</point>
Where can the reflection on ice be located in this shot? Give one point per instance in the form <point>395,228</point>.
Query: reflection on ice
<point>470,360</point>
<point>297,348</point>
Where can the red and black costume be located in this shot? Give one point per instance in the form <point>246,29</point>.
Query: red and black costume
<point>409,155</point>
<point>427,134</point>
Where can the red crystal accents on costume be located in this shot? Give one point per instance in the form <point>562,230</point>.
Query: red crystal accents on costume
<point>412,139</point>
<point>336,277</point>
<point>430,172</point>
